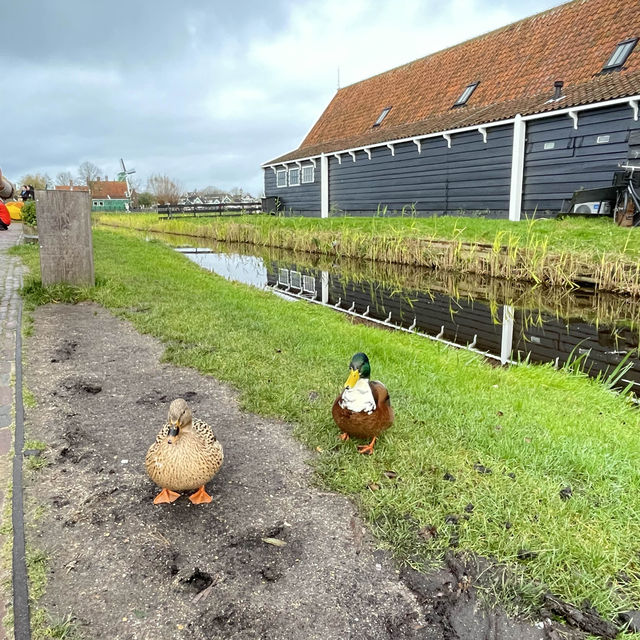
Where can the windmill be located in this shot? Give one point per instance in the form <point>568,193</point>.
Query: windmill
<point>123,176</point>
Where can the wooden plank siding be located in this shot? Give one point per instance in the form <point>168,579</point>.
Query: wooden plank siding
<point>577,160</point>
<point>470,176</point>
<point>301,200</point>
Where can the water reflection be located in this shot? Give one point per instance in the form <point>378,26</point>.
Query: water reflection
<point>506,320</point>
<point>233,266</point>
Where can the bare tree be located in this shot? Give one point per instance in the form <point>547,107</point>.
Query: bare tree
<point>64,178</point>
<point>88,172</point>
<point>164,189</point>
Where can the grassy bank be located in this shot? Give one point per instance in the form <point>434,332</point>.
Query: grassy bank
<point>478,456</point>
<point>555,252</point>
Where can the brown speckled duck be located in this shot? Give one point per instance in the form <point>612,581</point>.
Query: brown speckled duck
<point>363,409</point>
<point>185,456</point>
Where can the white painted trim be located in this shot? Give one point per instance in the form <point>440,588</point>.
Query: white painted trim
<point>486,125</point>
<point>324,186</point>
<point>508,313</point>
<point>275,171</point>
<point>393,149</point>
<point>313,174</point>
<point>299,165</point>
<point>286,179</point>
<point>338,157</point>
<point>418,144</point>
<point>447,137</point>
<point>353,155</point>
<point>634,105</point>
<point>517,168</point>
<point>583,107</point>
<point>313,162</point>
<point>367,150</point>
<point>574,116</point>
<point>483,132</point>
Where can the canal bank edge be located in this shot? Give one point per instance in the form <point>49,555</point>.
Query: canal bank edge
<point>532,262</point>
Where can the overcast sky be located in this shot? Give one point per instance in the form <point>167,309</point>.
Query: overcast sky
<point>201,91</point>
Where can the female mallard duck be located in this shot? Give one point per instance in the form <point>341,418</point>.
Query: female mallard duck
<point>363,409</point>
<point>185,456</point>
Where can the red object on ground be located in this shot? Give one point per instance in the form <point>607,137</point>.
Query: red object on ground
<point>4,214</point>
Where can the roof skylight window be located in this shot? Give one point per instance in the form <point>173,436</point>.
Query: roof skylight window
<point>620,55</point>
<point>466,94</point>
<point>382,116</point>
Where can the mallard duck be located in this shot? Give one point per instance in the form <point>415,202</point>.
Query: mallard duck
<point>185,456</point>
<point>363,409</point>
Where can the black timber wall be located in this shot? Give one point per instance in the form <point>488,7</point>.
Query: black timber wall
<point>301,200</point>
<point>470,176</point>
<point>577,160</point>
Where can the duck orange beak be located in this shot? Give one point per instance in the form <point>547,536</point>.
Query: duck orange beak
<point>354,376</point>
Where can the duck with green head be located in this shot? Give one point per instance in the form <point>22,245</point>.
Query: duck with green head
<point>363,408</point>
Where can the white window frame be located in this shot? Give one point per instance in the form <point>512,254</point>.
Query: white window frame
<point>278,174</point>
<point>306,169</point>
<point>294,171</point>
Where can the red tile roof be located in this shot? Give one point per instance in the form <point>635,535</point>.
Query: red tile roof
<point>71,187</point>
<point>105,189</point>
<point>516,67</point>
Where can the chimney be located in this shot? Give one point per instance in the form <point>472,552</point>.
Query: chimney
<point>97,178</point>
<point>71,185</point>
<point>558,84</point>
<point>106,178</point>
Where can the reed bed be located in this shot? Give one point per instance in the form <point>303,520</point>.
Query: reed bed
<point>530,254</point>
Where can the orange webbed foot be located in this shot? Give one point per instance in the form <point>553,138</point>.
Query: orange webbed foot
<point>367,449</point>
<point>344,436</point>
<point>200,496</point>
<point>166,495</point>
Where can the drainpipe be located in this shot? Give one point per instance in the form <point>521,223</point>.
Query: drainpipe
<point>517,167</point>
<point>324,186</point>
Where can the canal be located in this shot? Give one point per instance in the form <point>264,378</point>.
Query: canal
<point>506,322</point>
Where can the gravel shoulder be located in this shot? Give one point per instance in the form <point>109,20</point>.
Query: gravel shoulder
<point>126,569</point>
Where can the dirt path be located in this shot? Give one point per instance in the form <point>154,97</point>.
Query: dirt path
<point>126,569</point>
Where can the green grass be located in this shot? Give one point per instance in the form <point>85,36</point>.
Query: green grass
<point>551,252</point>
<point>537,429</point>
<point>593,237</point>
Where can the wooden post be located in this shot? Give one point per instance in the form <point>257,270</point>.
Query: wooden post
<point>64,232</point>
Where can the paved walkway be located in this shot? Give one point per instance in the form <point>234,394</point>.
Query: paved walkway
<point>11,271</point>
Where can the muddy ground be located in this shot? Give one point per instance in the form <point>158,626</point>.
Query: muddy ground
<point>126,569</point>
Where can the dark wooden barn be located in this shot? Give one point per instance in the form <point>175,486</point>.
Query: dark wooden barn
<point>508,123</point>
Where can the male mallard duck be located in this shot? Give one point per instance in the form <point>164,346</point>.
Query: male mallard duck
<point>185,456</point>
<point>363,409</point>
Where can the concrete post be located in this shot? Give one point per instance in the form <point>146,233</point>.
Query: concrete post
<point>64,232</point>
<point>508,313</point>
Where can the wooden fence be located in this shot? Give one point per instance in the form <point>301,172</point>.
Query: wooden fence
<point>206,210</point>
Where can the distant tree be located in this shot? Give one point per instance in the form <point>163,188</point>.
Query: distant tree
<point>64,178</point>
<point>164,189</point>
<point>146,199</point>
<point>236,192</point>
<point>37,180</point>
<point>214,192</point>
<point>88,172</point>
